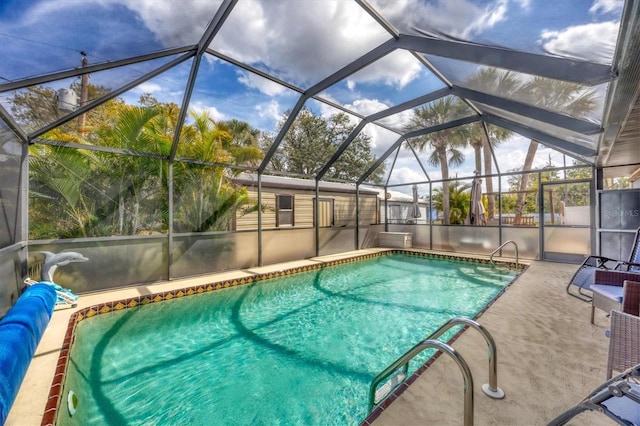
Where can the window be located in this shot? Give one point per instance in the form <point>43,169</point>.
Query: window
<point>284,209</point>
<point>325,212</point>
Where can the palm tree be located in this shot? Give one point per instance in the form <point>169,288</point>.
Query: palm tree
<point>130,132</point>
<point>504,84</point>
<point>445,144</point>
<point>244,145</point>
<point>208,199</point>
<point>497,135</point>
<point>554,95</point>
<point>58,178</point>
<point>459,200</point>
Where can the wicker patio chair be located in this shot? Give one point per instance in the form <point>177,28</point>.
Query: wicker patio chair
<point>624,342</point>
<point>617,398</point>
<point>585,275</point>
<point>616,290</point>
<point>631,298</point>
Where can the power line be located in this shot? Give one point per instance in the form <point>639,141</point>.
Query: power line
<point>39,42</point>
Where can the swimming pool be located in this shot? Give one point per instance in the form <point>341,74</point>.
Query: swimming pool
<point>298,349</point>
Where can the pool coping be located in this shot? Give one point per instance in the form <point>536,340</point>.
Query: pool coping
<point>54,399</point>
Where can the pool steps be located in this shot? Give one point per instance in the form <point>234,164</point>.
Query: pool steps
<point>398,370</point>
<point>500,247</point>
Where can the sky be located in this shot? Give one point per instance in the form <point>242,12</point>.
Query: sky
<point>300,42</point>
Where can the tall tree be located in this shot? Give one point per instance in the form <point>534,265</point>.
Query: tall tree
<point>570,98</point>
<point>312,140</point>
<point>497,135</point>
<point>504,84</point>
<point>445,145</point>
<point>357,158</point>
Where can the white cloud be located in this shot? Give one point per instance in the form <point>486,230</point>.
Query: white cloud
<point>398,121</point>
<point>42,11</point>
<point>381,139</point>
<point>367,106</point>
<point>456,18</point>
<point>606,6</point>
<point>593,42</point>
<point>313,38</point>
<point>269,111</point>
<point>524,4</point>
<point>490,17</point>
<point>396,70</point>
<point>173,24</point>
<point>147,87</point>
<point>265,86</point>
<point>199,108</point>
<point>404,175</point>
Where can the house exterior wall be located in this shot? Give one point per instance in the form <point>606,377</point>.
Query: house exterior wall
<point>344,209</point>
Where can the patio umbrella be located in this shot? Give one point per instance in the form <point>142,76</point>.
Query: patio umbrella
<point>415,209</point>
<point>476,209</point>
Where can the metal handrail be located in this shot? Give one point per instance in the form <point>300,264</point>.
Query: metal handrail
<point>403,362</point>
<point>500,248</point>
<point>491,389</point>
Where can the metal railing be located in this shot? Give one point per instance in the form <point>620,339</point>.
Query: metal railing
<point>401,365</point>
<point>500,248</point>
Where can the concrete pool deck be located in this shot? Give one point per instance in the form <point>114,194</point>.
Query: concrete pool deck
<point>549,356</point>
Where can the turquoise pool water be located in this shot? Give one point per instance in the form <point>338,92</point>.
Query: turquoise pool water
<point>297,350</point>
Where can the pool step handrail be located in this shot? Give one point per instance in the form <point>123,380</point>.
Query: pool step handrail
<point>491,389</point>
<point>500,248</point>
<point>401,366</point>
<point>403,363</point>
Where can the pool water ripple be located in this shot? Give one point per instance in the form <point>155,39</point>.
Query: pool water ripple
<point>300,349</point>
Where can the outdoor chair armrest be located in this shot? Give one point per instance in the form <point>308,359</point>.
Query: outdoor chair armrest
<point>601,262</point>
<point>626,265</point>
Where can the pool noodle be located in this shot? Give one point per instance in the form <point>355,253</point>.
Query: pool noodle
<point>20,332</point>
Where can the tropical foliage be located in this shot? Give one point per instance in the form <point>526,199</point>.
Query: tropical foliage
<point>83,193</point>
<point>459,201</point>
<point>77,192</point>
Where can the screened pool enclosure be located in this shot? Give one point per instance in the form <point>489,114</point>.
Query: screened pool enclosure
<point>166,139</point>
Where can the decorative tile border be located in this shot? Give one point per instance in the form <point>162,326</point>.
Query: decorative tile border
<point>55,393</point>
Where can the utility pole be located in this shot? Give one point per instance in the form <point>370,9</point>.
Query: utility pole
<point>84,93</point>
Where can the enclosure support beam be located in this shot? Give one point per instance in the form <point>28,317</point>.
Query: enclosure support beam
<point>111,95</point>
<point>581,72</point>
<point>553,118</point>
<point>414,134</point>
<point>33,81</point>
<point>559,144</point>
